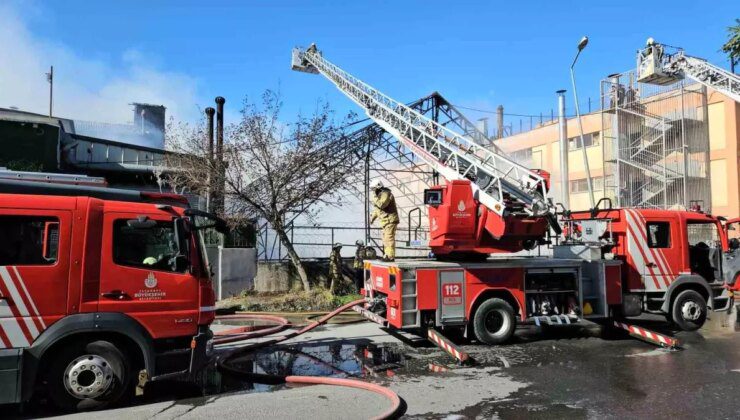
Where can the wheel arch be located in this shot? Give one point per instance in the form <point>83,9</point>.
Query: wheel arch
<point>686,282</point>
<point>486,294</point>
<point>117,327</point>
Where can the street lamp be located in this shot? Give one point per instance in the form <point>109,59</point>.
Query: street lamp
<point>581,45</point>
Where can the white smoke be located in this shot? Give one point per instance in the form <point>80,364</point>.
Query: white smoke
<point>85,88</point>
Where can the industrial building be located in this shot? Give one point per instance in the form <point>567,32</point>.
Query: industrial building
<point>680,117</point>
<point>126,155</point>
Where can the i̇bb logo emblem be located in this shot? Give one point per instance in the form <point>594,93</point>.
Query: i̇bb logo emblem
<point>452,294</point>
<point>460,213</point>
<point>150,281</point>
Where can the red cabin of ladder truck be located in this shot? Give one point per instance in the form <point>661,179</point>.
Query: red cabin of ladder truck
<point>611,263</point>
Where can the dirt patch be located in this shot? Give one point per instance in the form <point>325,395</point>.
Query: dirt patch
<point>318,299</point>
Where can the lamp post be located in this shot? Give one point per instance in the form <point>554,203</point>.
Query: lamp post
<point>581,45</point>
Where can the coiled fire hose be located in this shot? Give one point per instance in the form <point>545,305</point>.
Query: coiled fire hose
<point>223,363</point>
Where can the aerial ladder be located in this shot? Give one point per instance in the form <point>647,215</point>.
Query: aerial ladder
<point>516,212</point>
<point>655,65</point>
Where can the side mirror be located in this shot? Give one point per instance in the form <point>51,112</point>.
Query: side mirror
<point>51,241</point>
<point>180,263</point>
<point>182,238</point>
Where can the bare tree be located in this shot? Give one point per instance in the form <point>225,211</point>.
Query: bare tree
<point>272,170</point>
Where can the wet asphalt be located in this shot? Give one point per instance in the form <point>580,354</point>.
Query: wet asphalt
<point>558,372</point>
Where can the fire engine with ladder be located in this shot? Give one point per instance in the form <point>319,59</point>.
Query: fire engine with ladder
<point>612,263</point>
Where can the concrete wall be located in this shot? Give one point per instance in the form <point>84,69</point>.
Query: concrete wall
<point>281,277</point>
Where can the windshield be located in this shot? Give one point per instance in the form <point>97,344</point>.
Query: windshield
<point>703,235</point>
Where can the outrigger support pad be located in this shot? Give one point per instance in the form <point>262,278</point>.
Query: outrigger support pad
<point>649,336</point>
<point>448,346</point>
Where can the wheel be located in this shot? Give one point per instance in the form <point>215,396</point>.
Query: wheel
<point>89,376</point>
<point>689,310</point>
<point>494,321</point>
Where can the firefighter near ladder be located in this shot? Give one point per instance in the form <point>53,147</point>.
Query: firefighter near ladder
<point>385,210</point>
<point>335,268</point>
<point>362,253</point>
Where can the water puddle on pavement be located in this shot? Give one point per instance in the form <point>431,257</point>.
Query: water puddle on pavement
<point>333,359</point>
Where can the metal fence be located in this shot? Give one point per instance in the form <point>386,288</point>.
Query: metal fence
<point>315,242</point>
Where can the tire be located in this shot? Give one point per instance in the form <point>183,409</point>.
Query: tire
<point>689,310</point>
<point>494,321</point>
<point>106,375</point>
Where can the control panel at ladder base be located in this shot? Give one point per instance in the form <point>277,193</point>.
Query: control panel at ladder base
<point>460,226</point>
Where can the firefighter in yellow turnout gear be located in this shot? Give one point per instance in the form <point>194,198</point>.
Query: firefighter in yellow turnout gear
<point>336,280</point>
<point>386,211</point>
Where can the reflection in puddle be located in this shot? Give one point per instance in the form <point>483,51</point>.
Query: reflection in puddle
<point>335,359</point>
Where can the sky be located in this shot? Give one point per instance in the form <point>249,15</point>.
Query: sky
<point>184,53</point>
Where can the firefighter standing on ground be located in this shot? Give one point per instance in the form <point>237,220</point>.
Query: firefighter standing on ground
<point>385,210</point>
<point>362,253</point>
<point>335,268</point>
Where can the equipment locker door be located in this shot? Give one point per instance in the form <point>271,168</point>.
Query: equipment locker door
<point>138,279</point>
<point>452,296</point>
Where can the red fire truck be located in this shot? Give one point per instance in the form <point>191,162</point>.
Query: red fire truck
<point>96,285</point>
<point>611,262</point>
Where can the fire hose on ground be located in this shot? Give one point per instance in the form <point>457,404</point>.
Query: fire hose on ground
<point>251,332</point>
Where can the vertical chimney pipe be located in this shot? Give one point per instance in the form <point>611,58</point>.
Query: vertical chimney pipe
<point>500,122</point>
<point>218,201</point>
<point>209,117</point>
<point>220,101</point>
<point>563,131</point>
<point>209,194</point>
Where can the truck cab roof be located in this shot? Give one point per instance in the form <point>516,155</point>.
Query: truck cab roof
<point>114,194</point>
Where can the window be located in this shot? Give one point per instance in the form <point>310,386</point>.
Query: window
<point>152,246</point>
<point>581,185</point>
<point>591,139</point>
<point>659,234</point>
<point>29,240</point>
<point>703,233</point>
<point>522,156</point>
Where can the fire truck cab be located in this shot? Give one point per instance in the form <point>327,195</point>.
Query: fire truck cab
<point>97,284</point>
<point>676,263</point>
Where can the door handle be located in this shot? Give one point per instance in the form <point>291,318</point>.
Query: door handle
<point>115,294</point>
<point>650,264</point>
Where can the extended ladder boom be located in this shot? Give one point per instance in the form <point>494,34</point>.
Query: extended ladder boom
<point>500,184</point>
<point>656,66</point>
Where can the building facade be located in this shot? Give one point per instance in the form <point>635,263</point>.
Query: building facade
<point>671,147</point>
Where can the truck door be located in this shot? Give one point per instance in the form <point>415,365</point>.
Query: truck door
<point>705,250</point>
<point>661,252</point>
<point>34,273</point>
<point>140,277</point>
